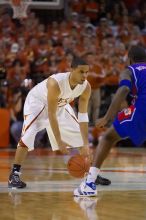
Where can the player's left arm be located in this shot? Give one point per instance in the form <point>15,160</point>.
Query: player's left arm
<point>83,113</point>
<point>125,85</point>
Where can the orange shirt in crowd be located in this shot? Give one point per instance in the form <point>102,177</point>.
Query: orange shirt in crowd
<point>91,10</point>
<point>96,132</point>
<point>64,66</point>
<point>78,6</point>
<point>95,76</point>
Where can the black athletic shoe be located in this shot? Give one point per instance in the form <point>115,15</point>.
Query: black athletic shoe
<point>15,182</point>
<point>102,181</point>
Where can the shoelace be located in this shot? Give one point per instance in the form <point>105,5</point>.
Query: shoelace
<point>17,176</point>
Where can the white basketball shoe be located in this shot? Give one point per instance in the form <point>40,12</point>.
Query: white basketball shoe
<point>86,189</point>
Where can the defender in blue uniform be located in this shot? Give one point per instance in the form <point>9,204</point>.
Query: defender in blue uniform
<point>129,123</point>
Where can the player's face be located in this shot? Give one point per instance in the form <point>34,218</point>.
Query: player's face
<point>81,73</point>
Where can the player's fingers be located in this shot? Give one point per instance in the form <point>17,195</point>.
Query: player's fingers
<point>99,125</point>
<point>66,151</point>
<point>86,154</point>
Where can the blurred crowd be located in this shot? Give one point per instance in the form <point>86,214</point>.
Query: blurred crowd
<point>99,31</point>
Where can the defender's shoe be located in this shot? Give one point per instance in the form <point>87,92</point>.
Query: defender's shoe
<point>86,189</point>
<point>102,181</point>
<point>15,182</point>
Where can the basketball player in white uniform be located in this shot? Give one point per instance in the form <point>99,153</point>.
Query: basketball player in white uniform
<point>47,106</point>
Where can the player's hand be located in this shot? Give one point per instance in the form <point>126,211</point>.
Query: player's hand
<point>101,122</point>
<point>63,147</point>
<point>85,151</point>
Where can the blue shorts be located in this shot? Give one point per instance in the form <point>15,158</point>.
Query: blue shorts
<point>131,123</point>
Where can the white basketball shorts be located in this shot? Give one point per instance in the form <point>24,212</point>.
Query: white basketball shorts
<point>36,119</point>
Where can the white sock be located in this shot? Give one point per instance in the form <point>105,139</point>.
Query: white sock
<point>92,175</point>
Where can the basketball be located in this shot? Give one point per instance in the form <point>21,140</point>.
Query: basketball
<point>78,165</point>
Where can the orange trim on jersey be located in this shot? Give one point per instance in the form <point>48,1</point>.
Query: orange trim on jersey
<point>25,116</point>
<point>72,116</point>
<point>21,144</point>
<point>23,129</point>
<point>34,119</point>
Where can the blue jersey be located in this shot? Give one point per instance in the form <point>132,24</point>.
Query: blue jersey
<point>138,91</point>
<point>131,122</point>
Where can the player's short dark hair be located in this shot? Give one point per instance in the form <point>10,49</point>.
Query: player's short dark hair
<point>137,54</point>
<point>77,61</point>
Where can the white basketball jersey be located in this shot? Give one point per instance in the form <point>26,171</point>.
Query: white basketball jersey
<point>67,94</point>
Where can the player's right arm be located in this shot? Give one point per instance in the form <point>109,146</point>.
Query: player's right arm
<point>52,97</point>
<point>119,97</point>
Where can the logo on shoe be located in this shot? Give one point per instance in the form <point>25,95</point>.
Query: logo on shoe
<point>92,185</point>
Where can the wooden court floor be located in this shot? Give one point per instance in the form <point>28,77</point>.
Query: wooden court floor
<point>49,192</point>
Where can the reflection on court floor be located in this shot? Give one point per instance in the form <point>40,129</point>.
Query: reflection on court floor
<point>49,192</point>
